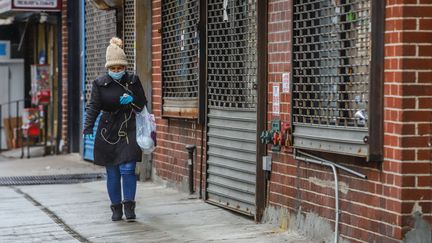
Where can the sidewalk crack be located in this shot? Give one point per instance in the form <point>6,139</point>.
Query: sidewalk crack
<point>53,216</point>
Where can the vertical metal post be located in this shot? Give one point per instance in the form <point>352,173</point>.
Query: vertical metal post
<point>83,75</point>
<point>17,123</point>
<point>191,149</point>
<point>60,83</point>
<point>261,149</point>
<point>17,113</point>
<point>28,146</point>
<point>376,96</point>
<point>22,145</point>
<point>45,136</point>
<point>202,65</point>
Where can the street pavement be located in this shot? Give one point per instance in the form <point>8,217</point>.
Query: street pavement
<point>80,212</point>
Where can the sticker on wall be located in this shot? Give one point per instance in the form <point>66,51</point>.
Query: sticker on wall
<point>285,82</point>
<point>276,99</point>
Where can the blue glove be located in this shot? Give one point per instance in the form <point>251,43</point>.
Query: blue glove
<point>89,137</point>
<point>126,99</point>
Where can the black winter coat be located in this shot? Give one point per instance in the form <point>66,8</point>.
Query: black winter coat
<point>115,140</point>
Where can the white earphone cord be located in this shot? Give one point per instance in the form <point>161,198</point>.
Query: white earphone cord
<point>120,133</point>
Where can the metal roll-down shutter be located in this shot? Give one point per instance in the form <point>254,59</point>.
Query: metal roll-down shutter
<point>232,101</point>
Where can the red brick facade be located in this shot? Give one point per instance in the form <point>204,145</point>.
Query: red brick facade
<point>408,117</point>
<point>377,209</point>
<point>380,208</point>
<point>170,157</point>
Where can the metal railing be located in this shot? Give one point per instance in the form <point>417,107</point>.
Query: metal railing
<point>10,105</point>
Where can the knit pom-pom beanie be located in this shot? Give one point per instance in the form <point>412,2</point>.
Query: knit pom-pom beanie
<point>115,54</point>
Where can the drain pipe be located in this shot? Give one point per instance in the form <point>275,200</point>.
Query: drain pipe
<point>190,148</point>
<point>317,160</point>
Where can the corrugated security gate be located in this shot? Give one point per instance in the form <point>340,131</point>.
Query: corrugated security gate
<point>100,26</point>
<point>232,70</point>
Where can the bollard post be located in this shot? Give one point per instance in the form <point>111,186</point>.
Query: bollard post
<point>191,149</point>
<point>17,124</point>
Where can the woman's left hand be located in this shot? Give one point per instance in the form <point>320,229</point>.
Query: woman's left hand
<point>126,99</point>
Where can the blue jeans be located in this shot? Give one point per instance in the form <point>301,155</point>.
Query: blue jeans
<point>123,172</point>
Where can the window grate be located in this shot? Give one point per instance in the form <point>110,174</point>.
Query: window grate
<point>100,26</point>
<point>232,54</point>
<point>331,56</point>
<point>129,33</point>
<point>180,55</point>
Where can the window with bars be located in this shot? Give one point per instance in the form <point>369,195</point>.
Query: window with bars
<point>180,58</point>
<point>332,43</point>
<point>232,55</point>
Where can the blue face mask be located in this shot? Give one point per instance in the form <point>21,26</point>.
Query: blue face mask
<point>116,76</point>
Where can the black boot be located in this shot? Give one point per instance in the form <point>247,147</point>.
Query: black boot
<point>129,210</point>
<point>117,211</point>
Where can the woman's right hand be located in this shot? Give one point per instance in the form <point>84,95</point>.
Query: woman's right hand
<point>126,99</point>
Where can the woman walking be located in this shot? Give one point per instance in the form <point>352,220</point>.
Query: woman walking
<point>117,95</point>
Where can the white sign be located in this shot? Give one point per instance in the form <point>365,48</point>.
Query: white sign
<point>285,82</point>
<point>5,5</point>
<point>35,3</point>
<point>276,99</point>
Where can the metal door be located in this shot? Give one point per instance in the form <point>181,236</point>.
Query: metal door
<point>232,69</point>
<point>100,26</point>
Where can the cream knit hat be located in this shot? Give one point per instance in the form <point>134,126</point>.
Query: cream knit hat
<point>115,54</point>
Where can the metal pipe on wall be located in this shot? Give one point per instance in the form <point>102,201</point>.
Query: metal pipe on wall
<point>320,161</point>
<point>336,189</point>
<point>337,165</point>
<point>191,149</point>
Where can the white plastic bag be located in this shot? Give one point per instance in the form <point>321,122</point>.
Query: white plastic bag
<point>146,131</point>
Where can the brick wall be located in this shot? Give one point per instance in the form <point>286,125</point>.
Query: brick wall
<point>408,96</point>
<point>378,209</point>
<point>64,79</point>
<point>170,157</point>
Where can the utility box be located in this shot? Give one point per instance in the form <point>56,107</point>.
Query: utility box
<point>267,163</point>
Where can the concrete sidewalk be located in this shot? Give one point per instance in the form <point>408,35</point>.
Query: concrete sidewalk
<point>47,165</point>
<point>80,213</point>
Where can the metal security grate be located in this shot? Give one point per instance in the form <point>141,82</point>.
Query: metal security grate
<point>331,62</point>
<point>180,57</point>
<point>232,117</point>
<point>129,33</point>
<point>232,54</point>
<point>51,179</point>
<point>100,26</point>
